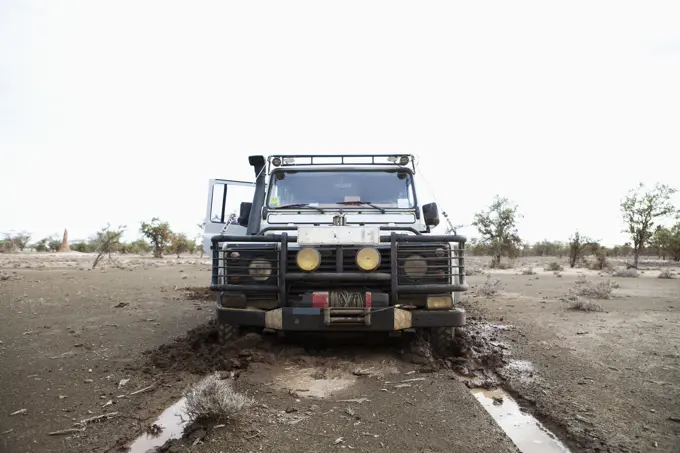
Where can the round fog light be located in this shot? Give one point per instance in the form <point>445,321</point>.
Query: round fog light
<point>260,270</point>
<point>308,259</point>
<point>368,259</point>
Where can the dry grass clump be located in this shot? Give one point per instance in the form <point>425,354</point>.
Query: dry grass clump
<point>584,305</point>
<point>621,272</point>
<point>599,290</point>
<point>554,266</point>
<point>4,276</point>
<point>474,270</point>
<point>215,399</point>
<point>584,290</point>
<point>666,273</point>
<point>491,287</point>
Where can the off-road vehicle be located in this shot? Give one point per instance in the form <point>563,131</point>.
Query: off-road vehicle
<point>332,243</point>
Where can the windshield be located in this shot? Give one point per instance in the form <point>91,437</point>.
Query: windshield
<point>384,189</point>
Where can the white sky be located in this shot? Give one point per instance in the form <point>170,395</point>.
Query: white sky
<point>121,111</point>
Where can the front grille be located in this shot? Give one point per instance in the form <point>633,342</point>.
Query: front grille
<point>347,263</point>
<point>422,264</point>
<point>234,263</point>
<point>417,263</point>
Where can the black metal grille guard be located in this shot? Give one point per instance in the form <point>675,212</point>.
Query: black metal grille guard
<point>393,238</point>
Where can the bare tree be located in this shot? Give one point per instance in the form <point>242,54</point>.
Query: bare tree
<point>640,208</point>
<point>105,242</point>
<point>199,237</point>
<point>497,226</point>
<point>20,240</point>
<point>578,245</point>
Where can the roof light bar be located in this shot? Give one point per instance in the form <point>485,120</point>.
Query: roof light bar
<point>302,160</point>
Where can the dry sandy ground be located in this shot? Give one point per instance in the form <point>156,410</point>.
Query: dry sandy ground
<point>603,381</point>
<point>70,336</point>
<point>606,381</point>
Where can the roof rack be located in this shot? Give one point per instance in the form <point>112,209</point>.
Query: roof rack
<point>308,160</point>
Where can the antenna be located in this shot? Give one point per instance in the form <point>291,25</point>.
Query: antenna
<point>450,227</point>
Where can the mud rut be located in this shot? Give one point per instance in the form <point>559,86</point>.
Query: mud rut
<point>478,355</point>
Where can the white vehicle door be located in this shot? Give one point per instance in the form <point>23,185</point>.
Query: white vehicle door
<point>224,204</point>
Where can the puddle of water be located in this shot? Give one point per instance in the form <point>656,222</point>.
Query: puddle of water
<point>312,382</point>
<point>172,420</point>
<point>528,434</point>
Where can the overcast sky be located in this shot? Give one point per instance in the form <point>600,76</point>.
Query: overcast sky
<point>121,111</point>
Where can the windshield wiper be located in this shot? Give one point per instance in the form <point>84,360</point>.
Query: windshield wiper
<point>366,203</point>
<point>300,205</point>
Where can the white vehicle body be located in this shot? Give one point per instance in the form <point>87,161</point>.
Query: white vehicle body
<point>316,223</point>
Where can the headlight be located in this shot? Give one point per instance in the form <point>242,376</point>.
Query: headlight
<point>260,270</point>
<point>368,259</point>
<point>308,259</point>
<point>415,266</point>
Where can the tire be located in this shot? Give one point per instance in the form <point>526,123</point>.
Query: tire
<point>226,333</point>
<point>442,340</point>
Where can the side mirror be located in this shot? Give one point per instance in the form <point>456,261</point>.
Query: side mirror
<point>244,214</point>
<point>431,214</point>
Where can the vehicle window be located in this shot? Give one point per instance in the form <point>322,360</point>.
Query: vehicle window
<point>383,188</point>
<point>217,205</point>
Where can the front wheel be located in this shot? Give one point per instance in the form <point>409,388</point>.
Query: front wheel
<point>226,333</point>
<point>442,340</point>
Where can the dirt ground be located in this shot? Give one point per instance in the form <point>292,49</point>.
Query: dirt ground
<point>605,381</point>
<point>78,343</point>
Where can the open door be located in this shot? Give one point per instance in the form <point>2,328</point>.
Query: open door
<point>224,202</point>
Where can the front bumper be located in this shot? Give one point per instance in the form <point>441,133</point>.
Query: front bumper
<point>309,319</point>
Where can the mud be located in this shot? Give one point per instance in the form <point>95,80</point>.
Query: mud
<point>199,352</point>
<point>330,365</point>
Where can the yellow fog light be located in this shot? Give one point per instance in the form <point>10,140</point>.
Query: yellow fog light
<point>308,259</point>
<point>260,270</point>
<point>368,259</point>
<point>415,266</point>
